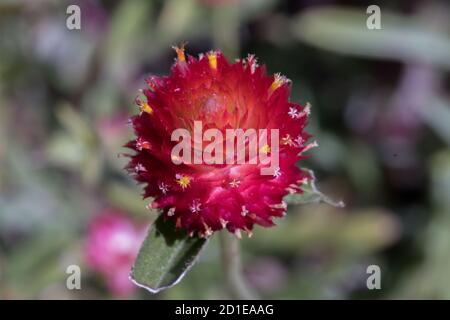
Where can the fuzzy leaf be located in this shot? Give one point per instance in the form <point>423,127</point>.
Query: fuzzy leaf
<point>311,194</point>
<point>165,257</point>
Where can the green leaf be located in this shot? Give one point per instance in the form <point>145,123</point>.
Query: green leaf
<point>344,30</point>
<point>165,257</point>
<point>311,194</point>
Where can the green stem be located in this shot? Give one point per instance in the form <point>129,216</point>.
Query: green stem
<point>232,267</point>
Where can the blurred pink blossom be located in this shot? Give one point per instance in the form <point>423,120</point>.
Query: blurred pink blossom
<point>113,130</point>
<point>112,244</point>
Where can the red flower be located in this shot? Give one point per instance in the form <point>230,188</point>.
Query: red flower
<point>200,197</point>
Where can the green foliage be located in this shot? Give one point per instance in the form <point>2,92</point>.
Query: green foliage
<point>343,30</point>
<point>165,256</point>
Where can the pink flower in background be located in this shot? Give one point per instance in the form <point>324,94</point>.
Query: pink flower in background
<point>112,244</point>
<point>112,130</point>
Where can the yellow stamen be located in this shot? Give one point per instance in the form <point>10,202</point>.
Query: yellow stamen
<point>180,52</point>
<point>145,107</point>
<point>212,59</point>
<point>184,181</point>
<point>278,81</point>
<point>265,149</point>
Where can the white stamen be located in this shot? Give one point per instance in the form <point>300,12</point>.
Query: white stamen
<point>277,172</point>
<point>208,231</point>
<point>307,109</point>
<point>223,223</point>
<point>299,141</point>
<point>163,187</point>
<point>195,206</point>
<point>141,144</point>
<point>139,168</point>
<point>235,183</point>
<point>252,62</point>
<point>171,212</point>
<point>293,113</point>
<point>149,206</point>
<point>304,181</point>
<point>244,211</point>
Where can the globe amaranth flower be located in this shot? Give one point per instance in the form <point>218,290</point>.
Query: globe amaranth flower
<point>111,246</point>
<point>202,197</point>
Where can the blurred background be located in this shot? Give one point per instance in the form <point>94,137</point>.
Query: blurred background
<point>381,115</point>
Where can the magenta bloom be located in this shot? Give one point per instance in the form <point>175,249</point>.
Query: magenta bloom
<point>202,198</point>
<point>112,244</point>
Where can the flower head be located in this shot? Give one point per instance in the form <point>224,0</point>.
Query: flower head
<point>111,246</point>
<point>209,93</point>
